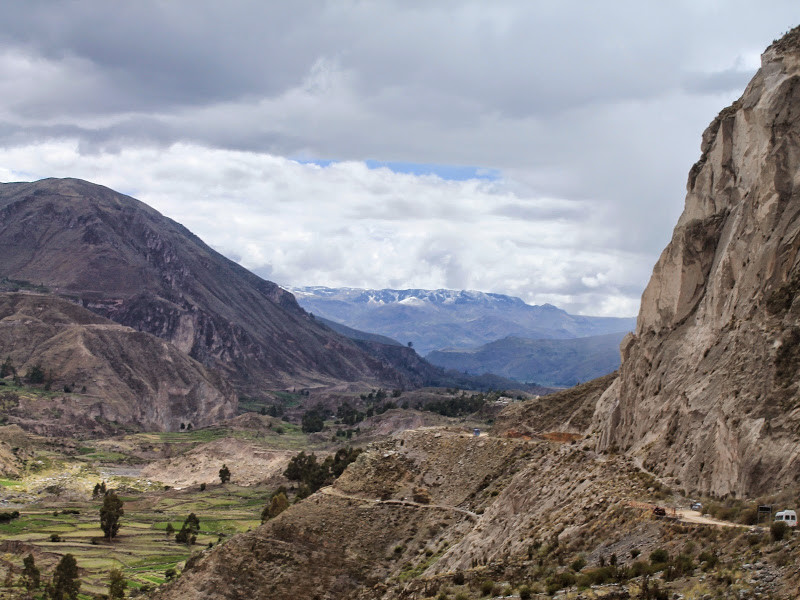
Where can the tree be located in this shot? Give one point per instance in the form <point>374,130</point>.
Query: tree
<point>65,584</point>
<point>7,368</point>
<point>224,474</point>
<point>312,421</point>
<point>277,505</point>
<point>117,584</point>
<point>99,488</point>
<point>31,577</point>
<point>169,530</point>
<point>35,374</point>
<point>110,513</point>
<point>189,530</point>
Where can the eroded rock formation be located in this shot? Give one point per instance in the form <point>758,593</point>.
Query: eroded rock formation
<point>708,388</point>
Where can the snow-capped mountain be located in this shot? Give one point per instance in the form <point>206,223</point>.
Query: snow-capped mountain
<point>438,319</point>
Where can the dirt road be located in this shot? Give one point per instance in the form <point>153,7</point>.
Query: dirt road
<point>332,491</point>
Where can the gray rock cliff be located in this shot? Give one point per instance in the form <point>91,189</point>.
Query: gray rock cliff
<point>708,387</point>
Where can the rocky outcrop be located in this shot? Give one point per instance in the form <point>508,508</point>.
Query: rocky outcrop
<point>123,260</point>
<point>708,387</point>
<point>102,375</point>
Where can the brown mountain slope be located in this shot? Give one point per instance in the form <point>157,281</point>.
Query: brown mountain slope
<point>708,388</point>
<point>365,537</point>
<point>125,261</point>
<point>130,378</point>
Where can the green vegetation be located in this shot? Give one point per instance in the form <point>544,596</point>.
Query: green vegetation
<point>31,577</point>
<point>65,584</point>
<point>224,474</point>
<point>313,475</point>
<point>189,530</point>
<point>110,514</point>
<point>278,503</point>
<point>116,584</point>
<point>313,420</point>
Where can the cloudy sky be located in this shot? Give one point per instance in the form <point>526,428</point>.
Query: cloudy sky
<point>536,148</point>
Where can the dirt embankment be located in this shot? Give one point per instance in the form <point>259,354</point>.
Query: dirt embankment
<point>248,463</point>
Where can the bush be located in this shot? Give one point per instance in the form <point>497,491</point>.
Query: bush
<point>578,564</point>
<point>684,565</point>
<point>54,537</point>
<point>659,557</point>
<point>458,578</point>
<point>708,559</point>
<point>778,530</point>
<point>597,576</point>
<point>525,593</point>
<point>487,586</point>
<point>7,517</point>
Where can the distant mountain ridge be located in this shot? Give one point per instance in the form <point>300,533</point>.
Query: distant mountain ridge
<point>440,319</point>
<point>561,363</point>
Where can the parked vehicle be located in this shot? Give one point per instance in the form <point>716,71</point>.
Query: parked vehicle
<point>787,516</point>
<point>698,506</point>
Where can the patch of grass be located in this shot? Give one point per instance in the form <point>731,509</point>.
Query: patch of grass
<point>9,483</point>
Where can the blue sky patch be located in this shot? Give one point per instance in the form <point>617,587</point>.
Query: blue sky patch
<point>448,172</point>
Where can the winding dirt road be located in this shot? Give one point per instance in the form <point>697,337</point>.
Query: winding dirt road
<point>332,491</point>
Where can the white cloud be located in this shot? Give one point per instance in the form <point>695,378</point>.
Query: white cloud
<point>347,225</point>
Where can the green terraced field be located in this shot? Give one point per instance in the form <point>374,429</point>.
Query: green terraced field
<point>141,550</point>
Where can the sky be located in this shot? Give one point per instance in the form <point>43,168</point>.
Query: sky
<point>533,148</point>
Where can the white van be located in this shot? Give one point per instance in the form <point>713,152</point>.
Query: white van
<point>787,516</point>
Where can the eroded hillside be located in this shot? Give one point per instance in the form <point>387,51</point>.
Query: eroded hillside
<point>414,511</point>
<point>96,375</point>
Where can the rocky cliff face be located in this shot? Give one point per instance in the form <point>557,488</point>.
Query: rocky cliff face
<point>708,388</point>
<point>125,261</point>
<point>117,376</point>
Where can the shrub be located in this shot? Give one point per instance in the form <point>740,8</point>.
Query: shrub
<point>7,517</point>
<point>778,530</point>
<point>54,537</point>
<point>224,474</point>
<point>487,586</point>
<point>597,576</point>
<point>458,578</point>
<point>684,565</point>
<point>659,557</point>
<point>578,564</point>
<point>525,593</point>
<point>708,559</point>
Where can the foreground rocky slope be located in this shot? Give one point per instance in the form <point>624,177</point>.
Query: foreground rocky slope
<point>708,388</point>
<point>115,375</point>
<point>125,261</point>
<point>413,511</point>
